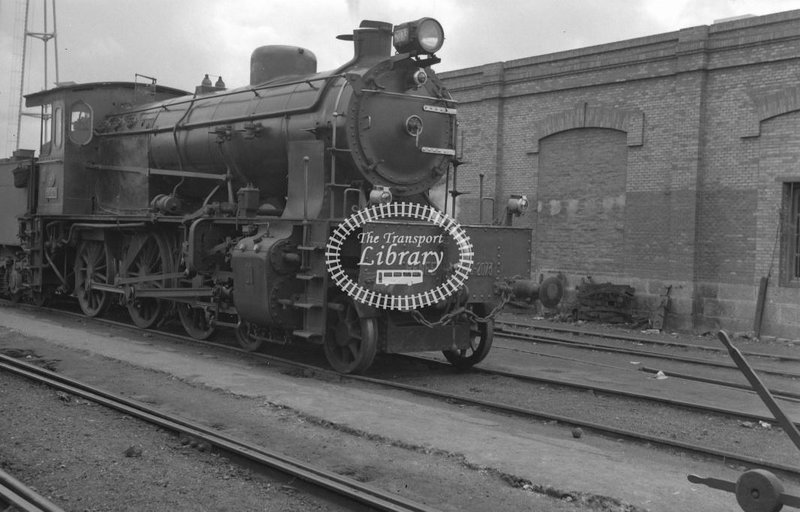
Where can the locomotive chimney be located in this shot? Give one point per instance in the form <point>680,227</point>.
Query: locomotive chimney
<point>373,40</point>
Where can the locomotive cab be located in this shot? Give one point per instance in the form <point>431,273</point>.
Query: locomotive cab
<point>70,115</point>
<point>62,185</point>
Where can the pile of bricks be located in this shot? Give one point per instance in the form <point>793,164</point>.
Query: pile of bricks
<point>604,302</point>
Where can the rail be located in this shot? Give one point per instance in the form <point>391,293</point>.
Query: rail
<point>340,485</point>
<point>462,399</point>
<point>14,495</point>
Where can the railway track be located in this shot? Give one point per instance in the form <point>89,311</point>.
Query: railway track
<point>630,338</point>
<point>620,393</point>
<point>604,429</point>
<point>539,414</point>
<point>341,486</point>
<point>512,330</point>
<point>14,495</point>
<point>698,369</point>
<point>784,394</point>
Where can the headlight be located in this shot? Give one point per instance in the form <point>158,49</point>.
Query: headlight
<point>380,195</point>
<point>422,36</point>
<point>517,205</point>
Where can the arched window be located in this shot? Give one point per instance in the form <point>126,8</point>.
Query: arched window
<point>80,123</point>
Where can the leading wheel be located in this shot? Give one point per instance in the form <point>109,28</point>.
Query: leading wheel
<point>246,336</point>
<point>351,342</point>
<point>195,321</point>
<point>147,255</point>
<point>91,266</point>
<point>481,335</point>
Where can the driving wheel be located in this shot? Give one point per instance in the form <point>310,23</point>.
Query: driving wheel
<point>91,266</point>
<point>146,255</point>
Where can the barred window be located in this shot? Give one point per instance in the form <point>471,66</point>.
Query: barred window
<point>791,231</point>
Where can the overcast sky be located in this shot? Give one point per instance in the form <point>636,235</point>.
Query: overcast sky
<point>178,41</point>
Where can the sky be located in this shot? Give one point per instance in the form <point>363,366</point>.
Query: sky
<point>179,41</point>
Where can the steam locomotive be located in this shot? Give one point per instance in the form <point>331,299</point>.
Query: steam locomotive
<point>297,207</point>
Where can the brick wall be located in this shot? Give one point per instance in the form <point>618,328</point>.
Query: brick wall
<point>655,162</point>
<point>581,201</point>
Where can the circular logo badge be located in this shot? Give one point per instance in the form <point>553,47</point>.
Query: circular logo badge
<point>455,280</point>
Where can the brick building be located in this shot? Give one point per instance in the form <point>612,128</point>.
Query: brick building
<point>669,160</point>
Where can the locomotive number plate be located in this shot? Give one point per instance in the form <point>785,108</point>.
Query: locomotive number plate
<point>483,268</point>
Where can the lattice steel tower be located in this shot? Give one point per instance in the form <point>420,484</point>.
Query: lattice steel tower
<point>23,31</point>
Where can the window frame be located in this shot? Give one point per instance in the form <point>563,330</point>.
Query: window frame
<point>73,109</point>
<point>58,126</point>
<point>46,129</point>
<point>790,235</point>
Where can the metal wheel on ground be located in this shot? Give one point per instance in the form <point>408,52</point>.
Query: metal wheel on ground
<point>197,321</point>
<point>14,284</point>
<point>146,255</point>
<point>92,265</point>
<point>351,342</point>
<point>481,335</point>
<point>245,335</point>
<point>43,298</point>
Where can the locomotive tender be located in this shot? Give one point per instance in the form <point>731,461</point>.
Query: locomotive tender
<point>294,208</point>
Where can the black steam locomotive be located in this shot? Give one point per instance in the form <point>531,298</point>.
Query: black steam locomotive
<point>294,208</point>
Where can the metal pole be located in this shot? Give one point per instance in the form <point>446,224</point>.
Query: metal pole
<point>758,386</point>
<point>22,75</point>
<point>44,41</point>
<point>455,191</point>
<point>480,194</point>
<point>305,189</point>
<point>55,39</point>
<point>446,188</point>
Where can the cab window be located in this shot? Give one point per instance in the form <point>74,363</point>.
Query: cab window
<point>58,127</point>
<point>80,123</point>
<point>47,125</point>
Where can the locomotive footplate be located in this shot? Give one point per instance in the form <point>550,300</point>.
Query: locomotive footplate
<point>402,338</point>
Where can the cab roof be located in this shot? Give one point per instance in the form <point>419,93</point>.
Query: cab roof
<point>43,97</point>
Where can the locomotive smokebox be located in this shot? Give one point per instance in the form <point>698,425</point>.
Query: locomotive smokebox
<point>275,61</point>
